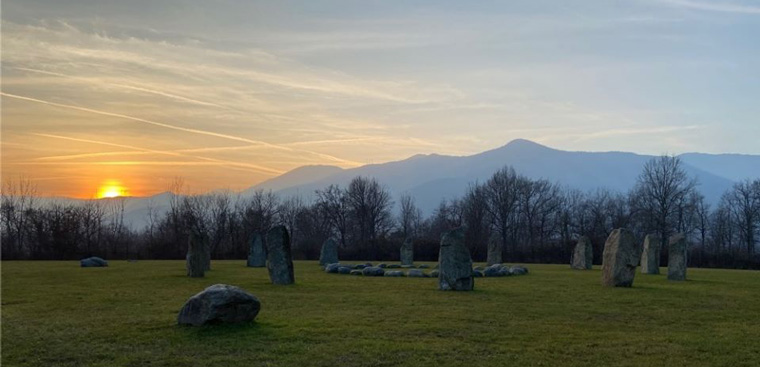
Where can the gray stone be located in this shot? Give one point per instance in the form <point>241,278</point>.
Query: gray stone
<point>394,273</point>
<point>195,261</point>
<point>434,273</point>
<point>93,262</point>
<point>455,272</point>
<point>257,253</point>
<point>393,266</point>
<point>329,252</point>
<point>407,266</point>
<point>360,266</point>
<point>650,256</point>
<point>494,249</point>
<point>382,265</point>
<point>677,251</point>
<point>279,258</point>
<point>367,264</point>
<point>332,268</point>
<point>219,303</point>
<point>373,271</point>
<point>620,258</point>
<point>416,273</point>
<point>496,270</point>
<point>407,252</point>
<point>355,272</point>
<point>518,270</point>
<point>477,274</point>
<point>424,266</point>
<point>583,255</point>
<point>344,270</point>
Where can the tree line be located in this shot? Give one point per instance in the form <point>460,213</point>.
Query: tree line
<point>534,220</point>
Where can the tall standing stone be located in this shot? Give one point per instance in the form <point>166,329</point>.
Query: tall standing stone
<point>494,249</point>
<point>677,257</point>
<point>455,264</point>
<point>257,254</point>
<point>650,257</point>
<point>407,252</point>
<point>279,258</point>
<point>329,253</point>
<point>196,255</point>
<point>583,254</point>
<point>620,258</point>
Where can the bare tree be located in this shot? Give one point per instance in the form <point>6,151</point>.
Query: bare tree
<point>744,202</point>
<point>502,193</point>
<point>660,191</point>
<point>16,203</point>
<point>409,217</point>
<point>370,206</point>
<point>333,205</point>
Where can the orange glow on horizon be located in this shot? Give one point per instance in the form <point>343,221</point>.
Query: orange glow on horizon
<point>111,189</point>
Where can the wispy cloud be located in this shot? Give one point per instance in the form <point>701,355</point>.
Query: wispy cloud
<point>715,6</point>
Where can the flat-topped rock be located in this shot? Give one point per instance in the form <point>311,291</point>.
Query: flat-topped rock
<point>329,252</point>
<point>279,258</point>
<point>583,254</point>
<point>650,255</point>
<point>257,253</point>
<point>93,262</point>
<point>455,263</point>
<point>677,256</point>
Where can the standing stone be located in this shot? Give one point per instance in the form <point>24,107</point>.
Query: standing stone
<point>455,271</point>
<point>650,257</point>
<point>257,254</point>
<point>407,252</point>
<point>620,258</point>
<point>677,257</point>
<point>583,255</point>
<point>196,255</point>
<point>329,252</point>
<point>494,249</point>
<point>279,258</point>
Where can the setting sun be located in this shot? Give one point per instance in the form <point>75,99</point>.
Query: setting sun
<point>111,189</point>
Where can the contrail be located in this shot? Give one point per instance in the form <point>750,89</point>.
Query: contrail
<point>126,86</point>
<point>231,164</point>
<point>179,128</point>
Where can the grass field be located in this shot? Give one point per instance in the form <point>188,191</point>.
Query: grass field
<point>57,314</point>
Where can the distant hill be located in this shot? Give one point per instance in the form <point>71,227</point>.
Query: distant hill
<point>430,178</point>
<point>433,177</point>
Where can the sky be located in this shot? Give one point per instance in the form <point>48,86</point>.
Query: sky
<point>227,94</point>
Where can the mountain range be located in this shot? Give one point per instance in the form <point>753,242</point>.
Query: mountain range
<point>433,177</point>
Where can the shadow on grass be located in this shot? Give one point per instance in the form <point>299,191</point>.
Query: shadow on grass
<point>213,331</point>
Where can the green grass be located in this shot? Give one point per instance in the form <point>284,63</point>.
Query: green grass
<point>57,314</point>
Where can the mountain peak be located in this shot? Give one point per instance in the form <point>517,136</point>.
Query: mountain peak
<point>524,144</point>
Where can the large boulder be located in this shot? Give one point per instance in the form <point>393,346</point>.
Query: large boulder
<point>329,252</point>
<point>195,261</point>
<point>373,271</point>
<point>455,271</point>
<point>407,252</point>
<point>219,303</point>
<point>494,249</point>
<point>677,257</point>
<point>344,270</point>
<point>518,270</point>
<point>620,258</point>
<point>583,255</point>
<point>257,253</point>
<point>650,255</point>
<point>496,270</point>
<point>279,258</point>
<point>93,262</point>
